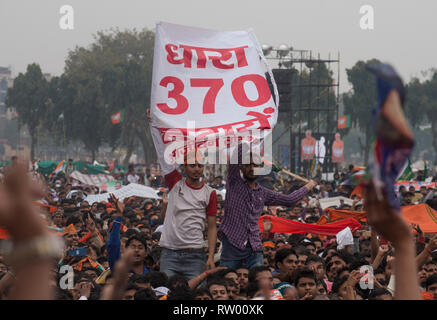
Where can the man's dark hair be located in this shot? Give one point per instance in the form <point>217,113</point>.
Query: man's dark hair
<point>223,273</point>
<point>282,254</point>
<point>139,278</point>
<point>304,273</point>
<point>431,280</point>
<point>357,264</point>
<point>216,281</point>
<point>129,233</point>
<point>145,294</point>
<point>157,279</point>
<point>346,257</point>
<point>315,258</point>
<point>62,294</point>
<point>430,262</point>
<point>138,238</point>
<point>301,250</point>
<point>251,289</point>
<point>253,272</point>
<point>314,239</point>
<point>73,220</point>
<point>131,286</point>
<point>338,283</point>
<point>374,294</point>
<point>201,292</point>
<point>176,281</point>
<point>339,272</point>
<point>296,238</point>
<point>181,293</point>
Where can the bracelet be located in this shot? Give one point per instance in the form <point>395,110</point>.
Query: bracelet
<point>207,273</point>
<point>41,248</point>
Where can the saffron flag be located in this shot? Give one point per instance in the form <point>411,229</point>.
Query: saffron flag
<point>117,117</point>
<point>344,122</point>
<point>206,85</point>
<point>394,139</point>
<point>281,225</point>
<point>420,214</point>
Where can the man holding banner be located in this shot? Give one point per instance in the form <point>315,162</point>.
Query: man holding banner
<point>206,84</point>
<point>244,204</point>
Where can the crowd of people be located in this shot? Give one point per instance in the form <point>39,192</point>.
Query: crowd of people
<point>199,243</point>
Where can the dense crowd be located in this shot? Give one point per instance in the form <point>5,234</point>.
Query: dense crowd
<point>132,249</point>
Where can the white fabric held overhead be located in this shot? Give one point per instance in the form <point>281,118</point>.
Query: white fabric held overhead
<point>209,83</point>
<point>130,190</point>
<point>344,238</point>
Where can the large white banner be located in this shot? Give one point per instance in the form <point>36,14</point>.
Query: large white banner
<point>91,179</point>
<point>132,189</point>
<point>207,82</point>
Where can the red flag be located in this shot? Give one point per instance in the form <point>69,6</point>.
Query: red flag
<point>117,117</point>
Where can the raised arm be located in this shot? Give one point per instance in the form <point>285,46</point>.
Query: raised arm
<point>114,243</point>
<point>211,212</point>
<point>390,225</point>
<point>423,256</point>
<point>288,200</point>
<point>233,170</point>
<point>159,146</point>
<point>34,248</point>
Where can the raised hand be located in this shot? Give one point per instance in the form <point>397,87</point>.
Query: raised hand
<point>90,225</point>
<point>164,198</point>
<point>118,204</point>
<point>432,245</point>
<point>383,249</point>
<point>310,185</point>
<point>17,211</point>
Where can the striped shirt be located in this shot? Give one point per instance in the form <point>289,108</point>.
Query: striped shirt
<point>244,206</point>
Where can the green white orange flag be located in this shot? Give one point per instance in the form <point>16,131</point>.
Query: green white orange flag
<point>59,167</point>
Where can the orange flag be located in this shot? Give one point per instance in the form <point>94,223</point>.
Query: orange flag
<point>421,214</point>
<point>70,229</point>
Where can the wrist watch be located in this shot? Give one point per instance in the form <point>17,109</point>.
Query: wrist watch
<point>41,248</point>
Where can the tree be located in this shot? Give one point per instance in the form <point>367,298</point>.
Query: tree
<point>29,96</point>
<point>359,103</point>
<point>422,105</point>
<point>114,73</point>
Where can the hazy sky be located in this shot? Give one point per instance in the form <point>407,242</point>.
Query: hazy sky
<point>405,31</point>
